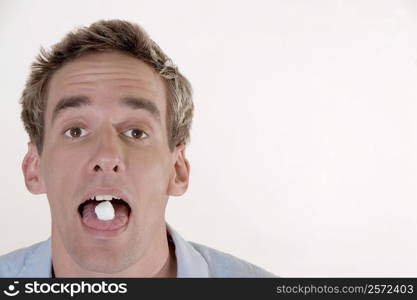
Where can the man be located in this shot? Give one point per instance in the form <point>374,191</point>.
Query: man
<point>109,117</point>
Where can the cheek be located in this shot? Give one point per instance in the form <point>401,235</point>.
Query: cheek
<point>151,172</point>
<point>63,180</point>
<point>61,170</point>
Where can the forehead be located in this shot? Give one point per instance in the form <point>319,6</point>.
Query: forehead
<point>106,78</point>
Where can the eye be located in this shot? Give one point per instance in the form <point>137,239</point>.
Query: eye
<point>75,132</point>
<point>136,133</point>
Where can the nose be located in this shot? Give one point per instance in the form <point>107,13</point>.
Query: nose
<point>108,157</point>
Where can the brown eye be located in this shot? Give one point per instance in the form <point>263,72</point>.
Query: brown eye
<point>136,133</point>
<point>75,132</point>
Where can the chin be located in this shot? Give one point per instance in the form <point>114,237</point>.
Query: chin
<point>101,256</point>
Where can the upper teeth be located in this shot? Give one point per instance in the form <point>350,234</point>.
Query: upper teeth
<point>104,197</point>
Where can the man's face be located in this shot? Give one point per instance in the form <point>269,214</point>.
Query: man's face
<point>105,133</point>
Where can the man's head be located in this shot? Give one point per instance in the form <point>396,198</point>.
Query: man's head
<point>105,36</point>
<point>107,114</point>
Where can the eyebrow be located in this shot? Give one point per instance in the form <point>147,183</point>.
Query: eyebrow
<point>131,102</point>
<point>68,102</point>
<point>142,103</point>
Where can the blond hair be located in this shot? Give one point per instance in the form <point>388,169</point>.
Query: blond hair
<point>102,36</point>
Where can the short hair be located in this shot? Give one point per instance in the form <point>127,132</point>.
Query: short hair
<point>106,36</point>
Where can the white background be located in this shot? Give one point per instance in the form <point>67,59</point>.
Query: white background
<point>304,146</point>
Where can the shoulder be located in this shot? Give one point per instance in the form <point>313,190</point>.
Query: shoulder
<point>222,264</point>
<point>13,263</point>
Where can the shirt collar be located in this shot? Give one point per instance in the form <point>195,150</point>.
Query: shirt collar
<point>190,263</point>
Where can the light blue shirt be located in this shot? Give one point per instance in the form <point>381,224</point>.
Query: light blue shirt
<point>193,260</point>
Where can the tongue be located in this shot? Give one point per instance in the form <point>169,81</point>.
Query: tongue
<point>120,219</point>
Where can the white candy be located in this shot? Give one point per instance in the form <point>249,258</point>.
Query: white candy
<point>105,211</point>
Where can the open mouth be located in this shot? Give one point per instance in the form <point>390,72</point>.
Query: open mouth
<point>87,211</point>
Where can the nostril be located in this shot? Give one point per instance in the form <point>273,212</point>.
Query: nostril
<point>98,168</point>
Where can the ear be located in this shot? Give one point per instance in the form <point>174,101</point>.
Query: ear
<point>31,171</point>
<point>178,183</point>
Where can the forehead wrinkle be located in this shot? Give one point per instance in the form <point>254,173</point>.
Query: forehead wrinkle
<point>131,80</point>
<point>95,78</point>
<point>99,68</point>
<point>135,86</point>
<point>102,74</point>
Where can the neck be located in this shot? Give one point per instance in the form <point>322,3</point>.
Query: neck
<point>158,261</point>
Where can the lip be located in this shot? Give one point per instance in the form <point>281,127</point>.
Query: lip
<point>103,234</point>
